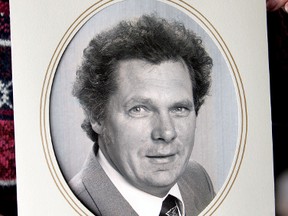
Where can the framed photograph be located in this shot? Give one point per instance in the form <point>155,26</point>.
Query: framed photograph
<point>232,140</point>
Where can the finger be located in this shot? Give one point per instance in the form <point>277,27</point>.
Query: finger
<point>273,5</point>
<point>285,7</point>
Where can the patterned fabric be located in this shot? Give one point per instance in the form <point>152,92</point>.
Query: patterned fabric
<point>7,149</point>
<point>170,207</point>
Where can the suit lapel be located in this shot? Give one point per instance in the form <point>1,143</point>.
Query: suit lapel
<point>106,197</point>
<point>189,198</point>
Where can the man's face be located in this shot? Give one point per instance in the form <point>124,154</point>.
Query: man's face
<point>149,131</point>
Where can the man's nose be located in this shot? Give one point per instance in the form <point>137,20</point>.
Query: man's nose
<point>164,128</point>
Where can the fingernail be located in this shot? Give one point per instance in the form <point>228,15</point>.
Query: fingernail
<point>286,7</point>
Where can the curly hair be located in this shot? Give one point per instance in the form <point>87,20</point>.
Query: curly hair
<point>148,38</point>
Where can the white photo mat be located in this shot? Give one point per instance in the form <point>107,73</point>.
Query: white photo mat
<point>47,43</point>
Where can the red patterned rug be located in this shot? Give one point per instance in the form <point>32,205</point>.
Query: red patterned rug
<point>7,148</point>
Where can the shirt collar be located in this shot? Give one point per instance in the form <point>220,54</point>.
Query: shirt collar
<point>133,195</point>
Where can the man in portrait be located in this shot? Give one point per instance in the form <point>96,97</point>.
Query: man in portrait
<point>141,85</point>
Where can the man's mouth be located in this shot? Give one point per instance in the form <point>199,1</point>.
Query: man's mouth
<point>161,158</point>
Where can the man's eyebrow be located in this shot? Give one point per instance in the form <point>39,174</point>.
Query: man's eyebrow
<point>141,100</point>
<point>146,101</point>
<point>186,103</point>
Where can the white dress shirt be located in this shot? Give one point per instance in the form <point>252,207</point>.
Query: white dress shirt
<point>136,197</point>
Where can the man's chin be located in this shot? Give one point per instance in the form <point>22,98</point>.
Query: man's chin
<point>159,186</point>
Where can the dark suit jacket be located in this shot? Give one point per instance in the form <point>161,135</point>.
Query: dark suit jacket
<point>95,190</point>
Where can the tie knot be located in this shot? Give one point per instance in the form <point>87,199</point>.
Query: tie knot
<point>170,206</point>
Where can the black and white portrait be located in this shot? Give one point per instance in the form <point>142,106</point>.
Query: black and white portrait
<point>144,112</point>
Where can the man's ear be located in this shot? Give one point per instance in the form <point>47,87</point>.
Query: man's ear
<point>97,126</point>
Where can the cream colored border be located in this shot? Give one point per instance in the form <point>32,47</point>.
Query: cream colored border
<point>46,90</point>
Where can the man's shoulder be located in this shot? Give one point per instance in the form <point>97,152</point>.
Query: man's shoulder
<point>196,188</point>
<point>195,178</point>
<point>195,174</point>
<point>193,168</point>
<point>80,191</point>
<point>76,184</point>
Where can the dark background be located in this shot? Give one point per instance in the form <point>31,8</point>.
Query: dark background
<point>277,23</point>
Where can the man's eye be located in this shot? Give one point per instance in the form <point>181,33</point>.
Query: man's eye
<point>180,109</point>
<point>138,111</point>
<point>183,111</point>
